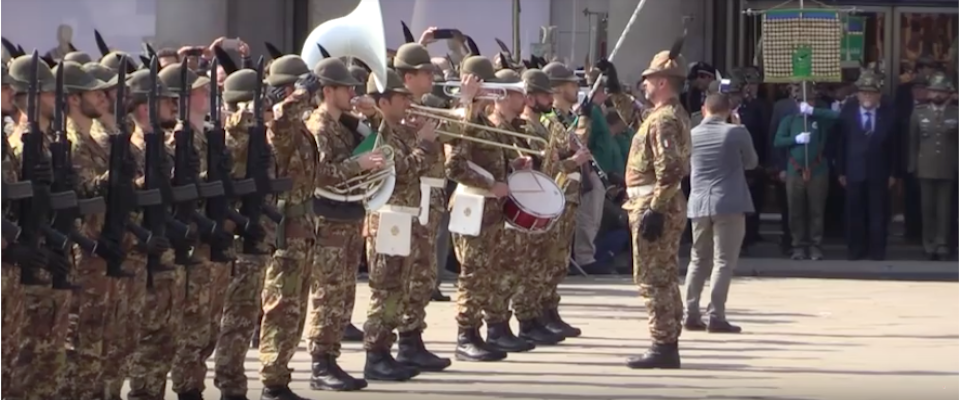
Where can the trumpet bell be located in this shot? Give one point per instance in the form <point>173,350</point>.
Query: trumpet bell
<point>359,35</point>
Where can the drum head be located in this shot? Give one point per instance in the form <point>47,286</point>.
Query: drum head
<point>536,193</point>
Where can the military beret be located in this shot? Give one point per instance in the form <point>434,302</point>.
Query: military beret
<point>413,56</point>
<point>112,61</point>
<point>286,70</point>
<point>76,80</point>
<point>394,84</point>
<point>536,81</point>
<point>100,72</point>
<point>78,57</point>
<point>479,66</point>
<point>240,86</point>
<point>170,75</point>
<point>333,72</point>
<point>139,84</point>
<point>19,70</point>
<point>559,73</point>
<point>939,82</point>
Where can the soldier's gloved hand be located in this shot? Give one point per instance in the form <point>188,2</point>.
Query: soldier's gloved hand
<point>222,237</point>
<point>128,167</point>
<point>56,264</point>
<point>43,172</point>
<point>156,245</point>
<point>108,250</point>
<point>308,82</point>
<point>16,253</point>
<point>651,225</point>
<point>193,162</point>
<point>276,94</point>
<point>802,138</point>
<point>612,84</point>
<point>806,109</point>
<point>585,108</point>
<point>254,232</point>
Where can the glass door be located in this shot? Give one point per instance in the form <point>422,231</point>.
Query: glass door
<point>923,32</point>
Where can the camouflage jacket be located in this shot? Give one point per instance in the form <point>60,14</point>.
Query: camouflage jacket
<point>237,125</point>
<point>295,150</point>
<point>91,164</point>
<point>660,156</point>
<point>412,159</point>
<point>557,161</point>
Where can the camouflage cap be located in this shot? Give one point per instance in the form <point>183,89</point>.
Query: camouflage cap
<point>536,81</point>
<point>19,70</point>
<point>939,82</point>
<point>112,61</point>
<point>394,84</point>
<point>479,66</point>
<point>100,72</point>
<point>663,64</point>
<point>869,82</point>
<point>76,80</point>
<point>559,73</point>
<point>333,72</point>
<point>170,75</point>
<point>139,83</point>
<point>240,86</point>
<point>413,56</point>
<point>78,57</point>
<point>286,70</point>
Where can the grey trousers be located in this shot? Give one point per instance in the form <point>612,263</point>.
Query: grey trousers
<point>806,202</point>
<point>715,251</point>
<point>589,215</point>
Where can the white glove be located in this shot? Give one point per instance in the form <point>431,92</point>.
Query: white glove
<point>836,106</point>
<point>806,109</point>
<point>802,138</point>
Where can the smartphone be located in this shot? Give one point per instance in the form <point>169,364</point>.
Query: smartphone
<point>230,43</point>
<point>441,34</point>
<point>725,86</point>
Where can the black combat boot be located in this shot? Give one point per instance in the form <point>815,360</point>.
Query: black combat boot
<point>553,322</point>
<point>381,366</point>
<point>658,356</point>
<point>415,354</point>
<point>352,334</point>
<point>327,375</point>
<point>226,397</point>
<point>533,331</point>
<point>255,338</point>
<point>279,393</point>
<point>470,347</point>
<point>438,296</point>
<point>500,336</point>
<point>191,395</point>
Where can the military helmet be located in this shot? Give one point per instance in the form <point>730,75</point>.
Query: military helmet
<point>413,56</point>
<point>869,82</point>
<point>479,66</point>
<point>333,72</point>
<point>360,75</point>
<point>170,75</point>
<point>536,81</point>
<point>100,72</point>
<point>559,73</point>
<point>286,70</point>
<point>76,80</point>
<point>394,84</point>
<point>508,76</point>
<point>939,82</point>
<point>240,86</point>
<point>139,83</point>
<point>78,57</point>
<point>19,70</point>
<point>112,61</point>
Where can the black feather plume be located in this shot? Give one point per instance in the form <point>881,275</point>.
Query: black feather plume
<point>274,52</point>
<point>229,66</point>
<point>407,35</point>
<point>323,51</point>
<point>472,46</point>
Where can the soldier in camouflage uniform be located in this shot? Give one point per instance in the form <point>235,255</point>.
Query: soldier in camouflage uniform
<point>242,295</point>
<point>339,242</point>
<point>156,344</point>
<point>286,281</point>
<point>40,358</point>
<point>414,153</point>
<point>659,160</point>
<point>91,304</point>
<point>933,158</point>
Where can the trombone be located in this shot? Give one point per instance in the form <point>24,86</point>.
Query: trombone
<point>454,117</point>
<point>488,90</point>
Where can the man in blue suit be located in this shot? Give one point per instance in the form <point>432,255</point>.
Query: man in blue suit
<point>867,162</point>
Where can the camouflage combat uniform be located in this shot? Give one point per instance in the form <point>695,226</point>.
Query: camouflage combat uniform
<point>12,289</point>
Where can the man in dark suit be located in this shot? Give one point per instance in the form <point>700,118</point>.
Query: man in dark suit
<point>867,163</point>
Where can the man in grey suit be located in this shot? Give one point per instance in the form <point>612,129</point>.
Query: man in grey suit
<point>719,200</point>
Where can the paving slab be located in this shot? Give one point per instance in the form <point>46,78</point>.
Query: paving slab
<point>804,339</point>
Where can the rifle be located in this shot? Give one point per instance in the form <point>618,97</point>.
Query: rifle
<point>219,169</point>
<point>34,213</point>
<point>258,161</point>
<point>13,191</point>
<point>64,178</point>
<point>185,174</point>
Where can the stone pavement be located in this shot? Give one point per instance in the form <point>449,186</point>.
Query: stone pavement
<point>804,339</point>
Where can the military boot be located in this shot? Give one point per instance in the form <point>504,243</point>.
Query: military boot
<point>381,366</point>
<point>255,338</point>
<point>470,347</point>
<point>327,375</point>
<point>352,334</point>
<point>533,331</point>
<point>658,356</point>
<point>438,296</point>
<point>500,336</point>
<point>415,354</point>
<point>191,395</point>
<point>279,393</point>
<point>555,324</point>
<point>226,397</point>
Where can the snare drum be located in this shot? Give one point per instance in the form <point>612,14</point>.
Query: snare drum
<point>534,203</point>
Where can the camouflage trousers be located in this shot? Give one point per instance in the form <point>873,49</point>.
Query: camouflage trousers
<point>480,272</point>
<point>200,322</point>
<point>558,257</point>
<point>123,324</point>
<point>510,246</point>
<point>656,271</point>
<point>333,286</point>
<point>12,324</point>
<point>240,311</point>
<point>532,272</point>
<point>89,309</point>
<point>157,344</point>
<point>285,288</point>
<point>41,356</point>
<point>423,273</point>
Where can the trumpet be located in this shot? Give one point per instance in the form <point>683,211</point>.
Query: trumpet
<point>368,179</point>
<point>455,117</point>
<point>488,90</point>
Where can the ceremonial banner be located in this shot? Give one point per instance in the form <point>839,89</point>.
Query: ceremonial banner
<point>801,45</point>
<point>851,46</point>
